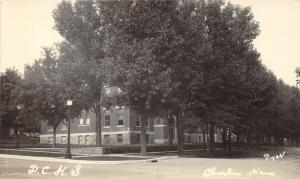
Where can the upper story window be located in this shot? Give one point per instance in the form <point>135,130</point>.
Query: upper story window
<point>81,121</point>
<point>120,121</point>
<point>63,127</point>
<point>107,120</point>
<point>63,139</point>
<point>138,123</point>
<point>85,122</point>
<point>120,118</point>
<point>158,121</point>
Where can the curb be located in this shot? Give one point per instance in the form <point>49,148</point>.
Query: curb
<point>49,159</point>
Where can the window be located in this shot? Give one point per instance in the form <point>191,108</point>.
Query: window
<point>50,140</point>
<point>120,119</point>
<point>188,139</point>
<point>87,139</point>
<point>137,123</point>
<point>63,127</point>
<point>80,139</point>
<point>119,138</point>
<point>63,139</point>
<point>85,122</point>
<point>80,121</point>
<point>106,139</point>
<point>158,121</point>
<point>107,120</point>
<point>120,122</point>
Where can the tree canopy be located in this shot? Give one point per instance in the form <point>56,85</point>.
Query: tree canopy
<point>187,60</point>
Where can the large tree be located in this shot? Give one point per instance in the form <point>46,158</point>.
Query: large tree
<point>230,31</point>
<point>181,56</point>
<point>84,31</point>
<point>176,34</point>
<point>44,79</point>
<point>11,102</point>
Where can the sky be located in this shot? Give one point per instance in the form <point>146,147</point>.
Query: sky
<point>27,25</point>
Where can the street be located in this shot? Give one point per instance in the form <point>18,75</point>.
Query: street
<point>181,167</point>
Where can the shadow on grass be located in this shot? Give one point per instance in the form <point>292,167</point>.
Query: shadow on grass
<point>241,152</point>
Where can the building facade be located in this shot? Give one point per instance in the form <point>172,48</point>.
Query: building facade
<point>119,126</point>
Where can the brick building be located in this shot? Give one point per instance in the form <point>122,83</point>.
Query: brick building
<point>120,126</point>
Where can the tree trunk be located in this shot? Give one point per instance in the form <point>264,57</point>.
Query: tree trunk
<point>211,139</point>
<point>269,140</point>
<point>223,133</point>
<point>249,141</point>
<point>17,137</point>
<point>170,130</point>
<point>182,135</point>
<point>98,126</point>
<point>281,141</point>
<point>289,141</point>
<point>1,131</point>
<point>238,138</point>
<point>257,142</point>
<point>54,137</point>
<point>276,141</point>
<point>143,136</point>
<point>179,133</point>
<point>204,136</point>
<point>229,141</point>
<point>33,136</point>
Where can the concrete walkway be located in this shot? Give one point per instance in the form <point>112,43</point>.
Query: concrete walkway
<point>63,160</point>
<point>75,155</point>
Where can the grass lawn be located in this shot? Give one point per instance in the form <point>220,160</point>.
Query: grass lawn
<point>241,152</point>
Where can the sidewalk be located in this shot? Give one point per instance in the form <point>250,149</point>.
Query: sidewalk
<point>111,159</point>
